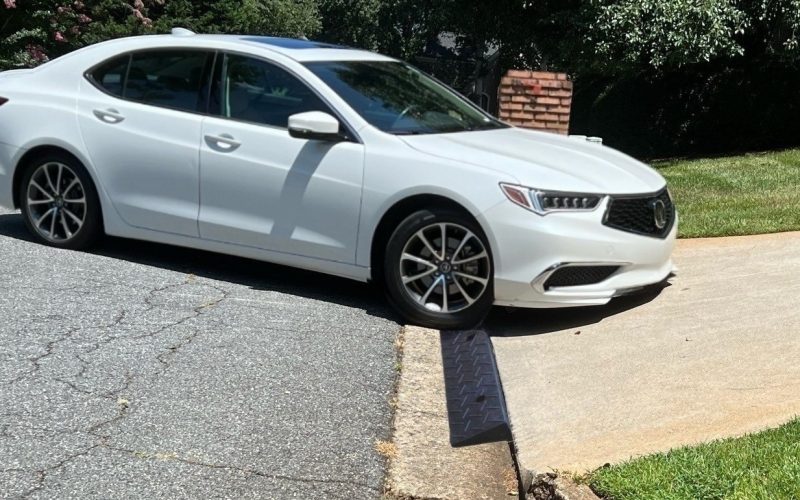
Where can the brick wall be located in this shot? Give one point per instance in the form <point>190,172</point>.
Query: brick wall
<point>537,100</point>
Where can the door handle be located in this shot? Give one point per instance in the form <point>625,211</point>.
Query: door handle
<point>109,115</point>
<point>224,143</point>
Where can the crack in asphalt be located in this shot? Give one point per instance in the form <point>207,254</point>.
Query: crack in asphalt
<point>79,388</point>
<point>244,470</point>
<point>41,474</point>
<point>123,408</point>
<point>37,360</point>
<point>197,312</point>
<point>51,346</point>
<point>119,319</point>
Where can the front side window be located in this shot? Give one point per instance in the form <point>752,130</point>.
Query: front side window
<point>169,78</point>
<point>399,99</point>
<point>253,90</point>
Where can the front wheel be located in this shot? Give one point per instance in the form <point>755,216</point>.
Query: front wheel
<point>438,270</point>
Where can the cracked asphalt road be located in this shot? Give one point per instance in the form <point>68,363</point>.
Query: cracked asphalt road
<point>149,371</point>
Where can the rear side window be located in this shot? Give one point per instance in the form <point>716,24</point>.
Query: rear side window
<point>169,78</point>
<point>253,90</point>
<point>110,75</point>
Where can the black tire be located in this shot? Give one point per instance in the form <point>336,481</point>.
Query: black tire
<point>91,229</point>
<point>409,302</point>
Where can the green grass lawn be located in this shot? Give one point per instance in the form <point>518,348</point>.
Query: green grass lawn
<point>759,466</point>
<point>751,194</point>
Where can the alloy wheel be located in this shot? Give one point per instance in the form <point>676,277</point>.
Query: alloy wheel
<point>56,202</point>
<point>445,267</point>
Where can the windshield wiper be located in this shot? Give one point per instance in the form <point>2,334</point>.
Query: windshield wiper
<point>409,132</point>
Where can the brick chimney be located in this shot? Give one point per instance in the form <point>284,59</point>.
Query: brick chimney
<point>537,100</point>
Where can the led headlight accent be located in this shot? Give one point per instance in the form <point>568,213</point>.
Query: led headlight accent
<point>544,202</point>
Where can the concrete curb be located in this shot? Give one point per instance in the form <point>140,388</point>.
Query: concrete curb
<point>422,464</point>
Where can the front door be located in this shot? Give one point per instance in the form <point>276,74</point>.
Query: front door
<point>260,187</point>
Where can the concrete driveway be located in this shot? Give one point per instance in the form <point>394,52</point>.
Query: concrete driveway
<point>714,354</point>
<point>146,371</point>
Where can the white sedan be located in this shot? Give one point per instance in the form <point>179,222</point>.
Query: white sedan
<point>330,159</point>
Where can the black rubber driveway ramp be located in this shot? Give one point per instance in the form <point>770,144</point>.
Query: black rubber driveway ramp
<point>475,404</point>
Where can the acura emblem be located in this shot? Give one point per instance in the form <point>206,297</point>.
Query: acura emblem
<point>660,214</point>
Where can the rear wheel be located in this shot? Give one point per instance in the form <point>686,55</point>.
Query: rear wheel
<point>59,202</point>
<point>438,270</point>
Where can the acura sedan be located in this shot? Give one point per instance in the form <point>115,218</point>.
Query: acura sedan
<point>330,159</point>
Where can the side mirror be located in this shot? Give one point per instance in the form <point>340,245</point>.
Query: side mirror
<point>314,125</point>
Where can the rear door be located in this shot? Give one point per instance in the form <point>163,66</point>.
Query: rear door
<point>140,118</point>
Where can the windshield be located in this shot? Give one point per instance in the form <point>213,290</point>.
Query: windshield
<point>400,99</point>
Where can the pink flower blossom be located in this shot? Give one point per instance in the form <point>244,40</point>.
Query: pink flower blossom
<point>60,37</point>
<point>10,4</point>
<point>36,52</point>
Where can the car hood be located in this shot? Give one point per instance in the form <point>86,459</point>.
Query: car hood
<point>543,160</point>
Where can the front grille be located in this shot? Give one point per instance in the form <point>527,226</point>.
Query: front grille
<point>639,214</point>
<point>579,275</point>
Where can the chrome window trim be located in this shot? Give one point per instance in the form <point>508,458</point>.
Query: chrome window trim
<point>353,136</point>
<point>130,53</point>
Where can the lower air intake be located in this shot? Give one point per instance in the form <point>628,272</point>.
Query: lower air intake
<point>579,276</point>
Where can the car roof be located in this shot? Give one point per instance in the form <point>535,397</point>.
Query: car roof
<point>300,50</point>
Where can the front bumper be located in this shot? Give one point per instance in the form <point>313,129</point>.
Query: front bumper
<point>526,247</point>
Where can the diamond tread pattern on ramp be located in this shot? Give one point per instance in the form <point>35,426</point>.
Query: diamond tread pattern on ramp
<point>475,404</point>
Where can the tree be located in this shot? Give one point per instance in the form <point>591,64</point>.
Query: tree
<point>350,22</point>
<point>632,34</point>
<point>399,28</point>
<point>618,37</point>
<point>773,31</point>
<point>33,31</point>
<point>253,17</point>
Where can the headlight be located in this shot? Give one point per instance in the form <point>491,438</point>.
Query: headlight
<point>544,202</point>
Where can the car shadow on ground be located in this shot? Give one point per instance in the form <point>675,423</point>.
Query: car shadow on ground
<point>502,322</point>
<point>507,322</point>
<point>247,272</point>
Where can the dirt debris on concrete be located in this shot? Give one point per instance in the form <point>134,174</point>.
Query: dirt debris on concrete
<point>552,486</point>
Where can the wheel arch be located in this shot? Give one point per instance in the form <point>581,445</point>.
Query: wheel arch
<point>399,211</point>
<point>38,151</point>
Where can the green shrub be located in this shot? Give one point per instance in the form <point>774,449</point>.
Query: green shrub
<point>34,31</point>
